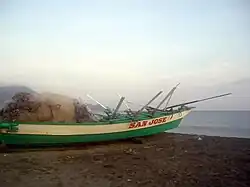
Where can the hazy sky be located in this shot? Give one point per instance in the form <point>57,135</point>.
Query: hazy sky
<point>128,46</point>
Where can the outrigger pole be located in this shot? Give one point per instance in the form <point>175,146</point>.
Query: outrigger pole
<point>139,111</point>
<point>196,101</point>
<point>129,111</point>
<point>107,110</point>
<point>97,102</point>
<point>125,102</point>
<point>117,107</point>
<point>170,93</point>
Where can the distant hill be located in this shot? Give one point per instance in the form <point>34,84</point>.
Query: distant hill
<point>6,92</point>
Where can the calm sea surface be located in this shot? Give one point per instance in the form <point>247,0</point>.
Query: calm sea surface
<point>216,123</point>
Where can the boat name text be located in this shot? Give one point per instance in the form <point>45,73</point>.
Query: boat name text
<point>148,122</point>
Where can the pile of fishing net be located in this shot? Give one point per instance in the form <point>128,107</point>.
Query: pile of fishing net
<point>27,107</point>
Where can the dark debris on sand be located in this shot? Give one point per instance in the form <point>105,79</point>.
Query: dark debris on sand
<point>166,159</point>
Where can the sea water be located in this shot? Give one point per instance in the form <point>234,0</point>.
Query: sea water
<point>216,123</point>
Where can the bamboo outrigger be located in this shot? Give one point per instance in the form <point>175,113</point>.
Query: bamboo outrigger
<point>113,125</point>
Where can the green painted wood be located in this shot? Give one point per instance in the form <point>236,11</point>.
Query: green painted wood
<point>22,139</point>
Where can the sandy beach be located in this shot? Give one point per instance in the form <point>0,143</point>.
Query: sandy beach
<point>162,160</point>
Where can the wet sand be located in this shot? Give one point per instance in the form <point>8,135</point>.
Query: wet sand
<point>161,160</point>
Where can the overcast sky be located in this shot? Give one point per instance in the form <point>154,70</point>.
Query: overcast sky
<point>133,47</point>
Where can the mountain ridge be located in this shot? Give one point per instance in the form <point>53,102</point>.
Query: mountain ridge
<point>7,92</point>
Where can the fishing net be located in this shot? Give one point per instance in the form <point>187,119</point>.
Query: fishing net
<point>50,107</point>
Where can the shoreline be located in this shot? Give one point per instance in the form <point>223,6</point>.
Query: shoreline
<point>166,159</point>
<point>207,135</point>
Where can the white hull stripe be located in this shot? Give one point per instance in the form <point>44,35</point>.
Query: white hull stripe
<point>89,129</point>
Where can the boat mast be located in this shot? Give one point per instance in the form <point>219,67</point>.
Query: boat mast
<point>139,111</point>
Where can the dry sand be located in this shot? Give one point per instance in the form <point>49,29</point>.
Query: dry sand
<point>162,160</point>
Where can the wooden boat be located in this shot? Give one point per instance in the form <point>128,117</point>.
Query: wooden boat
<point>112,126</point>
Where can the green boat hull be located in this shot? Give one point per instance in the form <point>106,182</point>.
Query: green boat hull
<point>49,133</point>
<point>24,139</point>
